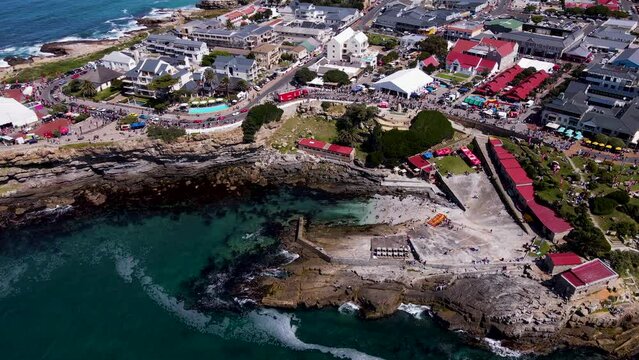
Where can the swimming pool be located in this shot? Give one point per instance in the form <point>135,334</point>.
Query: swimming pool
<point>209,109</point>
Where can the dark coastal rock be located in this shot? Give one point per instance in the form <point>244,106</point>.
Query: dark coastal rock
<point>57,49</point>
<point>15,60</point>
<point>149,22</point>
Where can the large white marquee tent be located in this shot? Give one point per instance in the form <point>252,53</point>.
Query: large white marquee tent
<point>15,114</point>
<point>404,82</point>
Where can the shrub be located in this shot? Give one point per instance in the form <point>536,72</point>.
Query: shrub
<point>602,206</point>
<point>620,196</point>
<point>168,135</point>
<point>258,116</point>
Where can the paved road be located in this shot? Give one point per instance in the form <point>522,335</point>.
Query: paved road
<point>362,23</point>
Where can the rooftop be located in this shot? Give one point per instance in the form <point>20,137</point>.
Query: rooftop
<point>588,273</point>
<point>563,259</point>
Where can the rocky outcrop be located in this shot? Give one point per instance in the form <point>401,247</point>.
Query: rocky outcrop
<point>45,179</point>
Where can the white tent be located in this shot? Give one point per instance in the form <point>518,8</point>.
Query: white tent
<point>539,65</point>
<point>16,114</point>
<point>404,81</point>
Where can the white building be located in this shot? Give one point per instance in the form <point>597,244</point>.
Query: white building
<point>174,46</point>
<point>118,61</point>
<point>351,46</point>
<point>12,113</point>
<point>137,80</point>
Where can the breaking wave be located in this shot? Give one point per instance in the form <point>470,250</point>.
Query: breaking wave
<point>416,310</point>
<point>348,308</point>
<point>498,349</point>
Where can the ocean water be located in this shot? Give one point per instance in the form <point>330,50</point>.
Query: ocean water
<point>27,24</point>
<point>116,287</point>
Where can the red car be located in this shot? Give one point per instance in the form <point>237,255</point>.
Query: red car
<point>197,121</point>
<point>220,118</point>
<point>244,110</point>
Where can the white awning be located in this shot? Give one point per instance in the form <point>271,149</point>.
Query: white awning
<point>635,138</point>
<point>552,126</point>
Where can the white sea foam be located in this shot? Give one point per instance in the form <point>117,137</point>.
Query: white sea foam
<point>416,310</point>
<point>9,275</point>
<point>497,348</point>
<point>348,308</point>
<point>289,256</point>
<point>125,265</point>
<point>4,64</point>
<point>31,50</point>
<point>281,327</point>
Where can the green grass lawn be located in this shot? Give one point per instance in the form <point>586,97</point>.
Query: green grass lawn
<point>453,164</point>
<point>55,68</point>
<point>454,77</point>
<point>606,221</point>
<point>105,94</point>
<point>544,248</point>
<point>297,127</point>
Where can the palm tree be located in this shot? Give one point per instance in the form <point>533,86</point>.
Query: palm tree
<point>242,85</point>
<point>209,78</point>
<point>87,89</point>
<point>348,137</point>
<point>226,82</point>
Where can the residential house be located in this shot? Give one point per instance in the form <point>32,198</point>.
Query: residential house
<point>351,46</point>
<point>101,77</point>
<point>299,51</point>
<point>246,37</point>
<point>118,61</point>
<point>336,17</point>
<point>410,41</point>
<point>136,81</point>
<point>267,55</point>
<point>236,67</point>
<point>238,16</point>
<point>173,46</point>
<point>299,30</point>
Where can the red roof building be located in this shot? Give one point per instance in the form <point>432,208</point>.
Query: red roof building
<point>468,64</point>
<point>524,88</point>
<point>500,81</point>
<point>502,154</point>
<point>588,277</point>
<point>495,141</point>
<point>559,262</point>
<point>510,163</point>
<point>327,150</point>
<point>551,221</point>
<point>431,61</point>
<point>526,193</point>
<point>518,176</point>
<point>418,162</point>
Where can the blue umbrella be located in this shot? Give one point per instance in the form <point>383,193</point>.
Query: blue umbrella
<point>561,129</point>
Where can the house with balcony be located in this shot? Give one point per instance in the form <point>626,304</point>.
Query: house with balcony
<point>236,67</point>
<point>136,81</point>
<point>175,47</point>
<point>351,46</point>
<point>246,37</point>
<point>336,17</point>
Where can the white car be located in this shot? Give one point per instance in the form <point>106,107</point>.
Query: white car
<point>236,113</point>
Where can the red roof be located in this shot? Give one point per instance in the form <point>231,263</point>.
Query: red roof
<point>312,143</point>
<point>495,141</point>
<point>51,126</point>
<point>510,163</point>
<point>563,259</point>
<point>504,48</point>
<point>500,81</point>
<point>523,89</point>
<point>470,61</point>
<point>527,192</point>
<point>548,218</point>
<point>503,153</point>
<point>518,176</point>
<point>431,60</point>
<point>15,94</point>
<point>339,149</point>
<point>419,162</point>
<point>588,273</point>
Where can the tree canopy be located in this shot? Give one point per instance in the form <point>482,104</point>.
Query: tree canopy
<point>337,76</point>
<point>392,147</point>
<point>434,45</point>
<point>258,116</point>
<point>304,75</point>
<point>209,59</point>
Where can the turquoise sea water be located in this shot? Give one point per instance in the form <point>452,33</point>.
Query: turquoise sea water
<point>207,110</point>
<point>116,287</point>
<point>27,24</point>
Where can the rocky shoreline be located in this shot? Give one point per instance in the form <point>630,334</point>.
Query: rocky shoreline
<point>43,184</point>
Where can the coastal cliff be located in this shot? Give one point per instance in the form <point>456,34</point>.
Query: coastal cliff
<point>40,182</point>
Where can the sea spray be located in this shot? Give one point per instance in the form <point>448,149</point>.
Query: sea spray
<point>348,308</point>
<point>497,348</point>
<point>416,310</point>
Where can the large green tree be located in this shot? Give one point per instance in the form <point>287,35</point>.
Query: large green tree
<point>257,116</point>
<point>337,76</point>
<point>304,75</point>
<point>434,45</point>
